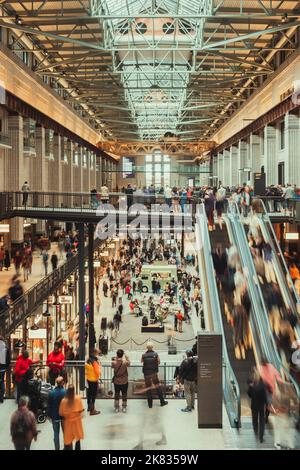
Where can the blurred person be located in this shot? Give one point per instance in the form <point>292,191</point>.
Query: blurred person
<point>151,361</point>
<point>7,260</point>
<point>71,409</point>
<point>257,392</point>
<point>23,426</point>
<point>16,290</point>
<point>120,365</point>
<point>209,204</point>
<point>55,362</point>
<point>54,261</point>
<point>152,423</point>
<point>268,259</point>
<point>241,331</point>
<point>54,398</point>
<point>4,365</point>
<point>188,377</point>
<point>45,258</point>
<point>270,376</point>
<point>2,256</point>
<point>285,340</point>
<point>93,375</point>
<point>220,200</point>
<point>282,421</point>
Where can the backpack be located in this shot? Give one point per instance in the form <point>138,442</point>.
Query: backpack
<point>21,427</point>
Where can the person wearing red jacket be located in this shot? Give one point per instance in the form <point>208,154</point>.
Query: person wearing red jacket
<point>22,373</point>
<point>55,362</point>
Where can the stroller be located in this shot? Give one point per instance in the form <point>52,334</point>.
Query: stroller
<point>38,392</point>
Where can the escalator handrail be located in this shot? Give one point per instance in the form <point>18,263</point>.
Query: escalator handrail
<point>266,332</point>
<point>217,316</point>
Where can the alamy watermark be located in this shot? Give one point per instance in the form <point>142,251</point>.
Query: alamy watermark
<point>140,221</point>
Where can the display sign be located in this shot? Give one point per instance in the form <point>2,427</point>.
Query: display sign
<point>104,253</point>
<point>97,264</point>
<point>65,299</point>
<point>128,167</point>
<point>209,380</point>
<point>259,184</point>
<point>41,333</point>
<point>4,228</point>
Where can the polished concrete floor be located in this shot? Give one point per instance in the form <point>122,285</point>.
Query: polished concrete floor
<point>142,427</point>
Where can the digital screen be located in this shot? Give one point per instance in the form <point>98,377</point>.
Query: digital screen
<point>128,167</point>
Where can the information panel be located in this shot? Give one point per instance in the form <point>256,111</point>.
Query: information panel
<point>209,382</point>
<point>128,167</point>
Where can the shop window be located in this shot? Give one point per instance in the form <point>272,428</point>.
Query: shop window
<point>281,176</point>
<point>49,143</point>
<point>282,135</point>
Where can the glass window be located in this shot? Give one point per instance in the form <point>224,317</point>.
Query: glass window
<point>157,158</point>
<point>282,135</point>
<point>148,158</point>
<point>84,158</point>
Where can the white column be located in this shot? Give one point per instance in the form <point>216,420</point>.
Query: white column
<point>292,167</point>
<point>226,168</point>
<point>270,155</point>
<point>220,170</point>
<point>255,155</point>
<point>242,161</point>
<point>234,160</point>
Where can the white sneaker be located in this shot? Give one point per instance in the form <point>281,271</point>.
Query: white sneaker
<point>124,410</point>
<point>117,410</point>
<point>277,446</point>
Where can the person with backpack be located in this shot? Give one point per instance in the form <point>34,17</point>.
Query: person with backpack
<point>150,360</point>
<point>23,426</point>
<point>187,375</point>
<point>4,365</point>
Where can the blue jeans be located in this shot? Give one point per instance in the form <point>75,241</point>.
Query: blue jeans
<point>2,385</point>
<point>56,428</point>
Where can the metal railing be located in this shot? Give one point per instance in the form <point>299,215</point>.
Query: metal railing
<point>72,370</point>
<point>23,307</point>
<point>279,205</point>
<point>231,389</point>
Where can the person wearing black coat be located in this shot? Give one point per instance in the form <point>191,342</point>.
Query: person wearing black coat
<point>257,392</point>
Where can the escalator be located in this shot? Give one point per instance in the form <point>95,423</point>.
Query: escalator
<point>242,367</point>
<point>286,293</point>
<point>261,326</point>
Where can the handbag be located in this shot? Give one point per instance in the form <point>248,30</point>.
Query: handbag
<point>115,374</point>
